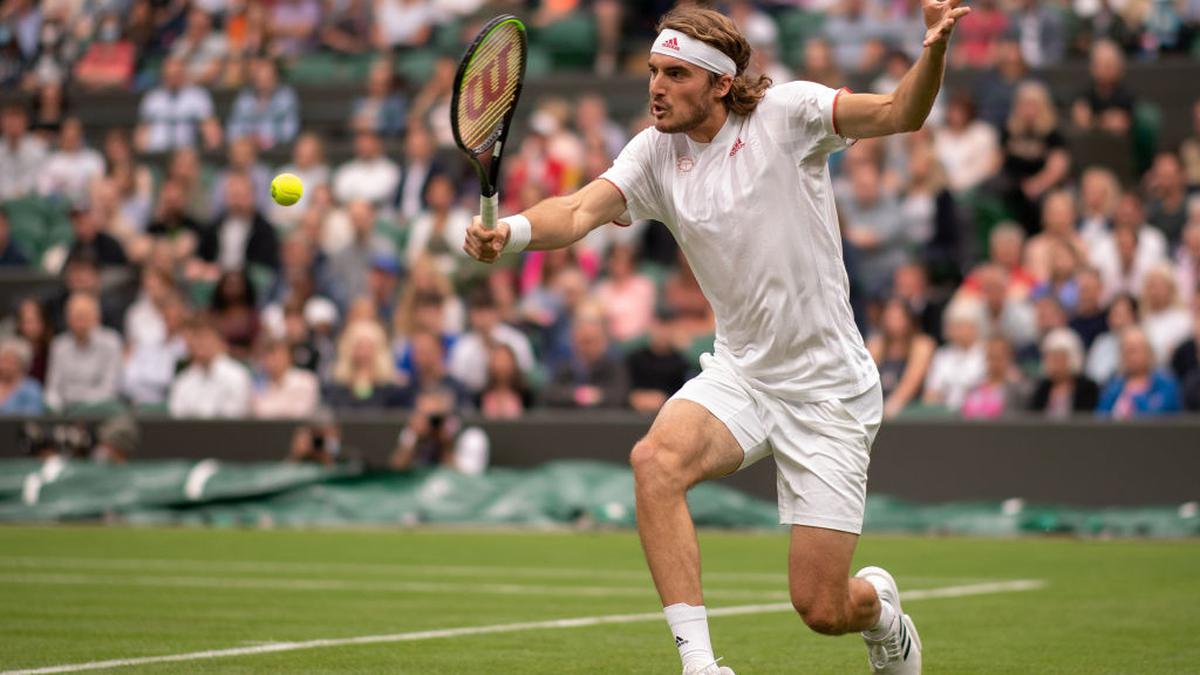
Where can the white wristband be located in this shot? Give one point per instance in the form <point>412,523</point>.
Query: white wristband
<point>520,231</point>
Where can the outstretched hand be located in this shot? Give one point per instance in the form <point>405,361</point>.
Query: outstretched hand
<point>940,17</point>
<point>483,244</point>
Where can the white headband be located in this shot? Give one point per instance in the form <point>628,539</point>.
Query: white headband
<point>673,43</point>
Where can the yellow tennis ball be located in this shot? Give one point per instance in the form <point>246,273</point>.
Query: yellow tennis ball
<point>286,189</point>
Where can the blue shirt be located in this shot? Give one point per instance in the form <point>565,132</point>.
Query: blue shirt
<point>1160,398</point>
<point>26,399</point>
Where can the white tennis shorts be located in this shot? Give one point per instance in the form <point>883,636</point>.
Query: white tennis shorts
<point>821,448</point>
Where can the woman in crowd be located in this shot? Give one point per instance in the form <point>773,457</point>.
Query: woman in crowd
<point>966,146</point>
<point>364,377</point>
<point>1002,390</point>
<point>626,295</point>
<point>235,313</point>
<point>285,391</point>
<point>37,333</point>
<point>19,393</point>
<point>1064,389</point>
<point>507,394</point>
<point>1104,357</point>
<point>960,364</point>
<point>1140,390</point>
<point>902,353</point>
<point>1167,322</point>
<point>1058,226</point>
<point>1035,158</point>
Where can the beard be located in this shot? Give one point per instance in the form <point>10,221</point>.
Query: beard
<point>699,113</point>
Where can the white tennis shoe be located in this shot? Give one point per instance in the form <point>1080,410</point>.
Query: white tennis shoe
<point>899,652</point>
<point>710,669</point>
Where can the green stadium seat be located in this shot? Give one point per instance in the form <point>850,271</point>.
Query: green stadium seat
<point>98,409</point>
<point>796,28</point>
<point>1147,129</point>
<point>262,279</point>
<point>416,65</point>
<point>318,68</point>
<point>571,42</point>
<point>538,62</point>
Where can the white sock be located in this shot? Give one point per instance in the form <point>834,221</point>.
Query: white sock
<point>887,617</point>
<point>689,628</point>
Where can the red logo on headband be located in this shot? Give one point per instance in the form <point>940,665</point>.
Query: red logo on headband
<point>673,43</point>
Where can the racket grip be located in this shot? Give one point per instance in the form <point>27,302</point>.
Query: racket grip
<point>488,207</point>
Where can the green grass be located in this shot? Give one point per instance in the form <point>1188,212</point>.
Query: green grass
<point>73,595</point>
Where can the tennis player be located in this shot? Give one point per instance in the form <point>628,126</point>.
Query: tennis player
<point>738,171</point>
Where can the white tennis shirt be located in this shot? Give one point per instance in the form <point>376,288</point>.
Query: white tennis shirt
<point>754,213</point>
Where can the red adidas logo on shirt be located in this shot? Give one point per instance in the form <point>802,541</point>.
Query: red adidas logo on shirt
<point>673,43</point>
<point>737,145</point>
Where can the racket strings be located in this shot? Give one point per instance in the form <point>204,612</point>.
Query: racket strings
<point>499,54</point>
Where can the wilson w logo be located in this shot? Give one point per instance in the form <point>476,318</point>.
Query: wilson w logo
<point>488,84</point>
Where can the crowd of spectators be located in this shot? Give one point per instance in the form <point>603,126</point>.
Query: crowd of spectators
<point>998,264</point>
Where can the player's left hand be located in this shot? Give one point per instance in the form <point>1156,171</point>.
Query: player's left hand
<point>940,17</point>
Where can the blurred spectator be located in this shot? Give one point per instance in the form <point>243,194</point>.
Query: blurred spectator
<point>144,322</point>
<point>850,30</point>
<point>172,114</point>
<point>418,170</point>
<point>213,385</point>
<point>819,64</point>
<point>960,364</point>
<point>1187,258</point>
<point>284,391</point>
<point>1090,318</point>
<point>1100,193</point>
<point>22,154</point>
<point>1107,103</point>
<point>1063,390</point>
<point>593,123</point>
<point>151,360</point>
<point>902,352</point>
<point>978,33</point>
<point>36,331</point>
<point>429,367</point>
<point>873,223</point>
<point>350,267</point>
<point>1104,356</point>
<point>1139,390</point>
<point>506,394</point>
<point>469,356</point>
<point>50,108</point>
<point>1002,390</point>
<point>171,222</point>
<point>1185,361</point>
<point>70,170</point>
<point>195,180</point>
<point>1034,150</point>
<point>84,367</point>
<point>201,49</point>
<point>243,160</point>
<point>11,254</point>
<point>1060,284</point>
<point>293,26</point>
<point>1166,322</point>
<point>383,109</point>
<point>593,378</point>
<point>440,229</point>
<point>431,106</point>
<point>1058,229</point>
<point>627,296</point>
<point>109,60</point>
<point>248,31</point>
<point>234,313</point>
<point>364,376</point>
<point>1049,316</point>
<point>370,176</point>
<point>265,112</point>
<point>1189,150</point>
<point>1104,22</point>
<point>308,164</point>
<point>317,442</point>
<point>240,236</point>
<point>402,23</point>
<point>1041,32</point>
<point>117,440</point>
<point>19,393</point>
<point>346,26</point>
<point>90,241</point>
<point>1126,254</point>
<point>995,89</point>
<point>435,437</point>
<point>656,370</point>
<point>1167,209</point>
<point>966,146</point>
<point>1006,241</point>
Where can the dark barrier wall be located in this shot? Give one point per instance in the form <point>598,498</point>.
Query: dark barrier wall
<point>1085,462</point>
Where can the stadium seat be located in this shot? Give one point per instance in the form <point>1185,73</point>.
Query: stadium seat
<point>571,42</point>
<point>796,28</point>
<point>1147,127</point>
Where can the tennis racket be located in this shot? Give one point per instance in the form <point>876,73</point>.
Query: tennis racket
<point>486,90</point>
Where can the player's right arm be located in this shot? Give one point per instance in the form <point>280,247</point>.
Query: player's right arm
<point>557,222</point>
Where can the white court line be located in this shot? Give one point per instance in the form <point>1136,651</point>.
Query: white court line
<point>366,586</point>
<point>270,567</point>
<point>581,622</point>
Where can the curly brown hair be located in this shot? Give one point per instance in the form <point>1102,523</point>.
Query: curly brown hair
<point>719,31</point>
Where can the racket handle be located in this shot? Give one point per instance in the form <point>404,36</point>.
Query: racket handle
<point>488,207</point>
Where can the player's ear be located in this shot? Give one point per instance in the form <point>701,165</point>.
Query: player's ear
<point>724,85</point>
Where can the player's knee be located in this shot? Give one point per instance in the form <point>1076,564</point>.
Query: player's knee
<point>820,617</point>
<point>656,467</point>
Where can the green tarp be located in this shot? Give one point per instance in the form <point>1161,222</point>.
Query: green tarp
<point>558,493</point>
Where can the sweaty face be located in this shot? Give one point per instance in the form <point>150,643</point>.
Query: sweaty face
<point>682,96</point>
